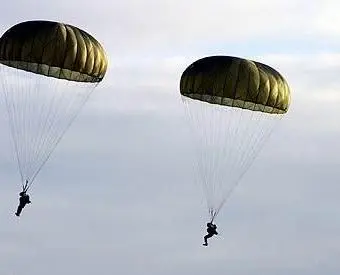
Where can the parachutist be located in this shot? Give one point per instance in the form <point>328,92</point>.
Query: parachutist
<point>211,229</point>
<point>23,200</point>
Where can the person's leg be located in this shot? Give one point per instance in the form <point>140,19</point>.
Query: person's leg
<point>206,237</point>
<point>19,210</point>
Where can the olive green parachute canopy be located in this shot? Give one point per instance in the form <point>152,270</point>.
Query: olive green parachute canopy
<point>236,82</point>
<point>53,49</point>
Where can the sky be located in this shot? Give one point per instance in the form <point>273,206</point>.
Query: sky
<point>118,194</point>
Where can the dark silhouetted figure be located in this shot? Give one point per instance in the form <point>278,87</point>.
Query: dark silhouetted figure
<point>211,229</point>
<point>23,200</point>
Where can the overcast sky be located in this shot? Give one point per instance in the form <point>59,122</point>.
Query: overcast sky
<point>118,195</point>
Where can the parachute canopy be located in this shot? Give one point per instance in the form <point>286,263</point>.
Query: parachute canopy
<point>48,71</point>
<point>233,105</point>
<point>236,82</point>
<point>53,49</point>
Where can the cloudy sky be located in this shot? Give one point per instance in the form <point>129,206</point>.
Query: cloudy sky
<point>118,195</point>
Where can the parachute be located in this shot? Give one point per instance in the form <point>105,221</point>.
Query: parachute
<point>233,105</point>
<point>48,71</point>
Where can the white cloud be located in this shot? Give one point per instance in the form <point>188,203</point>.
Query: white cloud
<point>327,19</point>
<point>150,26</point>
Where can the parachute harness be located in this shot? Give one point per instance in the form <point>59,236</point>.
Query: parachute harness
<point>25,186</point>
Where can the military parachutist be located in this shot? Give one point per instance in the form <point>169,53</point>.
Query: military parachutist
<point>23,200</point>
<point>211,229</point>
